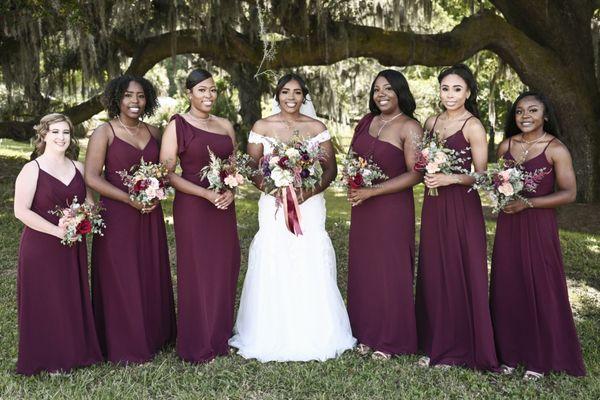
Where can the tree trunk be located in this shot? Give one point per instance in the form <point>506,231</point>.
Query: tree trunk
<point>250,92</point>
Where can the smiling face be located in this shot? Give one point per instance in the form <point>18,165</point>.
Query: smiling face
<point>134,101</point>
<point>529,114</point>
<point>454,92</point>
<point>58,137</point>
<point>384,96</point>
<point>203,95</point>
<point>291,97</point>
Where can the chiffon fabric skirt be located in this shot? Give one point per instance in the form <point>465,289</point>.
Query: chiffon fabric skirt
<point>291,308</point>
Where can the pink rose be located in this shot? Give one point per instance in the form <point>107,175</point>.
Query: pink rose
<point>240,179</point>
<point>505,175</point>
<point>440,158</point>
<point>506,189</point>
<point>231,181</point>
<point>432,168</point>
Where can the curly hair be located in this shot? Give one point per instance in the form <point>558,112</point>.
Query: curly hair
<point>115,90</point>
<point>42,129</point>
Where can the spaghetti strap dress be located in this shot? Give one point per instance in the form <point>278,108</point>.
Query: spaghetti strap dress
<point>132,291</point>
<point>56,323</point>
<point>533,322</point>
<point>452,305</point>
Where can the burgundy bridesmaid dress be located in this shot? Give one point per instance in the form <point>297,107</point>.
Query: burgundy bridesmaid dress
<point>530,307</point>
<point>208,252</point>
<point>56,324</point>
<point>131,279</point>
<point>453,316</point>
<point>381,257</point>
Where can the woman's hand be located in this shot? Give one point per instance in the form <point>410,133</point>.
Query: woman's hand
<point>439,180</point>
<point>515,206</point>
<point>357,196</point>
<point>60,232</point>
<point>143,208</point>
<point>220,200</point>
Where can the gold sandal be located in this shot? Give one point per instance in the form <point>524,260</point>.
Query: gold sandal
<point>380,355</point>
<point>363,349</point>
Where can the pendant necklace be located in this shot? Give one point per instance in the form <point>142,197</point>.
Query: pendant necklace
<point>530,145</point>
<point>137,127</point>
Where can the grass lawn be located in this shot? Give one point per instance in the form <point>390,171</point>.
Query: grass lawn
<point>348,377</point>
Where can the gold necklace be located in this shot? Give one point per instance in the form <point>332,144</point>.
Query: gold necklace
<point>447,119</point>
<point>137,127</point>
<point>385,122</point>
<point>200,120</point>
<point>530,145</point>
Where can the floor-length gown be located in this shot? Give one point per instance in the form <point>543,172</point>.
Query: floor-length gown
<point>453,318</point>
<point>208,252</point>
<point>132,291</point>
<point>291,308</point>
<point>381,256</point>
<point>531,314</point>
<point>56,323</point>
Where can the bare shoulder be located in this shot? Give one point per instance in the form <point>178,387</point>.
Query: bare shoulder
<point>429,122</point>
<point>102,131</point>
<point>314,126</point>
<point>556,148</point>
<point>29,171</point>
<point>225,124</point>
<point>474,129</point>
<point>154,131</point>
<point>78,165</point>
<point>503,146</point>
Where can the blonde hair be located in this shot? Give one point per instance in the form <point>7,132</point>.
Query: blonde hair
<point>42,130</point>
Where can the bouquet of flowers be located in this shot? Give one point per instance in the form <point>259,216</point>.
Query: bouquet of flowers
<point>291,166</point>
<point>229,173</point>
<point>358,172</point>
<point>147,182</point>
<point>79,220</point>
<point>434,157</point>
<point>507,181</point>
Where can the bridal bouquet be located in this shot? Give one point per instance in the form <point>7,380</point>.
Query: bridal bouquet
<point>147,182</point>
<point>507,181</point>
<point>359,172</point>
<point>229,173</point>
<point>291,166</point>
<point>434,157</point>
<point>79,220</point>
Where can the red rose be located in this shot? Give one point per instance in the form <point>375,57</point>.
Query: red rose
<point>282,161</point>
<point>357,181</point>
<point>84,227</point>
<point>140,185</point>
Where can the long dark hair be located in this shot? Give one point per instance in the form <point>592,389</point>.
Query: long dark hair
<point>465,73</point>
<point>550,121</point>
<point>287,78</point>
<point>115,89</point>
<point>195,77</point>
<point>406,101</point>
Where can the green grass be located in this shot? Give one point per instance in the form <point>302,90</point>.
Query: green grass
<point>348,377</point>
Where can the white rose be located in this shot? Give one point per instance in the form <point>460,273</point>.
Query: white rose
<point>154,184</point>
<point>282,177</point>
<point>292,153</point>
<point>273,161</point>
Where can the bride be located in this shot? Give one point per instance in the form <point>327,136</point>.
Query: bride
<point>291,308</point>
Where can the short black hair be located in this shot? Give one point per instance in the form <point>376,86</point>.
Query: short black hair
<point>550,120</point>
<point>113,95</point>
<point>465,73</point>
<point>287,78</point>
<point>406,101</point>
<point>195,77</point>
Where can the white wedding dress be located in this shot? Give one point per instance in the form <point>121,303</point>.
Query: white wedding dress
<point>291,308</point>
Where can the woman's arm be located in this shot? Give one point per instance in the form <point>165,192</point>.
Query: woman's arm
<point>475,134</point>
<point>411,134</point>
<point>168,156</point>
<point>25,186</point>
<point>565,182</point>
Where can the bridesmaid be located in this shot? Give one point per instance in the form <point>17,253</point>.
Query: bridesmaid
<point>208,250</point>
<point>453,317</point>
<point>131,280</point>
<point>382,232</point>
<point>56,324</point>
<point>530,307</point>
